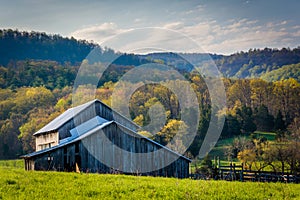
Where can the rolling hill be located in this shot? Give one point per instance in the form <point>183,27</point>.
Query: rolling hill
<point>17,46</point>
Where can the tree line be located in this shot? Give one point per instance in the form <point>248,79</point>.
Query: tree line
<point>258,153</point>
<point>38,71</point>
<point>257,62</point>
<point>252,104</point>
<point>18,45</point>
<point>21,45</point>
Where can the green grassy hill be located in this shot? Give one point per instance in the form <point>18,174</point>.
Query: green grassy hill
<point>222,144</point>
<point>15,183</point>
<point>285,72</point>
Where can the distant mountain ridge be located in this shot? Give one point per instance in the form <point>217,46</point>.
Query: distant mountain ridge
<point>283,73</point>
<point>17,46</point>
<point>252,64</point>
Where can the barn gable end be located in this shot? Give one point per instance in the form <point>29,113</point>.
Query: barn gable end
<point>90,139</point>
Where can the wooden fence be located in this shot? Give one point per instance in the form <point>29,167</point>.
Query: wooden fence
<point>233,172</point>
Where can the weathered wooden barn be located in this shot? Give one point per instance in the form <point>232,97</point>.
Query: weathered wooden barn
<point>94,138</point>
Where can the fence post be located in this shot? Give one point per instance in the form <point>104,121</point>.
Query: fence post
<point>234,171</point>
<point>219,165</point>
<point>242,173</point>
<point>215,161</point>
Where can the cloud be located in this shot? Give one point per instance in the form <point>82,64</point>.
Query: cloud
<point>137,40</point>
<point>245,36</point>
<point>296,34</point>
<point>197,9</point>
<point>145,40</point>
<point>137,20</point>
<point>296,27</point>
<point>226,38</point>
<point>239,35</point>
<point>98,33</point>
<point>283,23</point>
<point>245,41</point>
<point>174,25</point>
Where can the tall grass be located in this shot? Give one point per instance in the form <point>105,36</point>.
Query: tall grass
<point>12,164</point>
<point>16,183</point>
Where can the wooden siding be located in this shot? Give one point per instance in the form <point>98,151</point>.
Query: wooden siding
<point>96,109</point>
<point>107,113</point>
<point>47,140</point>
<point>84,154</point>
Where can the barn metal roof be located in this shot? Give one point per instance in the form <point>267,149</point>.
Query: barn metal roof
<point>63,118</point>
<point>84,127</point>
<point>83,130</point>
<point>78,134</point>
<point>90,127</point>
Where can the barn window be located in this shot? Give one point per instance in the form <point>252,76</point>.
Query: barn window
<point>46,141</point>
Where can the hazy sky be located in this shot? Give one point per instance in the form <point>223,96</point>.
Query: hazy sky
<point>218,26</point>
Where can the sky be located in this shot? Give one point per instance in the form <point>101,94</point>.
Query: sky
<point>216,26</point>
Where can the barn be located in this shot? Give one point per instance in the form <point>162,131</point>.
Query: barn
<point>94,138</point>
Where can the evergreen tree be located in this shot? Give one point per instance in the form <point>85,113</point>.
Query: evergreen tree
<point>231,127</point>
<point>246,120</point>
<point>263,120</point>
<point>279,123</point>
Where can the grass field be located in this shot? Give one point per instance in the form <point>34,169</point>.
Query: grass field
<point>221,145</point>
<point>15,183</point>
<point>269,135</point>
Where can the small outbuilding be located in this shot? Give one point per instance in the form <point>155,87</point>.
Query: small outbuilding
<point>94,138</point>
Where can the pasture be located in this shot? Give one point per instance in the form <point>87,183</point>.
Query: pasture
<point>16,183</point>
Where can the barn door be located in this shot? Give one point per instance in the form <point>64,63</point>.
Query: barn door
<point>77,158</point>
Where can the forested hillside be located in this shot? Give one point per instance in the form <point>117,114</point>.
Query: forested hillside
<point>252,105</point>
<point>37,72</point>
<point>16,45</point>
<point>285,72</point>
<point>254,63</point>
